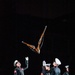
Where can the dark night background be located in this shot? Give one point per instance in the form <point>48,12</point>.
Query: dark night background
<point>25,20</point>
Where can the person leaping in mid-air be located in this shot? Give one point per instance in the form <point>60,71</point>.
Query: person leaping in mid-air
<point>36,49</point>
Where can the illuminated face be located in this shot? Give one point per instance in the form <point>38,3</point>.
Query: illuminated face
<point>67,69</point>
<point>18,64</point>
<point>54,64</point>
<point>47,68</point>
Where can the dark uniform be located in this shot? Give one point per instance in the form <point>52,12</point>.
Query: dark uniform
<point>20,71</point>
<point>55,71</point>
<point>67,70</point>
<point>44,71</point>
<point>66,73</point>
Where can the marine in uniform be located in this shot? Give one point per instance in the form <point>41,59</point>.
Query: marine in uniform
<point>18,70</point>
<point>55,70</point>
<point>67,70</point>
<point>45,69</point>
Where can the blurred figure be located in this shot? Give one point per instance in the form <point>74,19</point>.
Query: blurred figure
<point>45,69</point>
<point>18,70</point>
<point>67,70</point>
<point>55,70</point>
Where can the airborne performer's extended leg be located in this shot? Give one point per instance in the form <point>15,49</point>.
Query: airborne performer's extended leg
<point>40,41</point>
<point>36,49</point>
<point>29,45</point>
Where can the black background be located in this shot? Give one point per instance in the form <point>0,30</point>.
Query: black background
<point>25,21</point>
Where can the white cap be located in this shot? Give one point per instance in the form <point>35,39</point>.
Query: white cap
<point>57,61</point>
<point>48,64</point>
<point>66,66</point>
<point>44,63</point>
<point>15,62</point>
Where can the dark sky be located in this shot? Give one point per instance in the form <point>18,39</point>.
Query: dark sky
<point>24,20</point>
<point>39,8</point>
<point>45,8</point>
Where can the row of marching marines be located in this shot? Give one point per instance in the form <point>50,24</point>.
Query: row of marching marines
<point>46,69</point>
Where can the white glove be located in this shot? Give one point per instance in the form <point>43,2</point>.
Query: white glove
<point>27,58</point>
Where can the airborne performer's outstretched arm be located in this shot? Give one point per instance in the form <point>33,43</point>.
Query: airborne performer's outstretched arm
<point>36,49</point>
